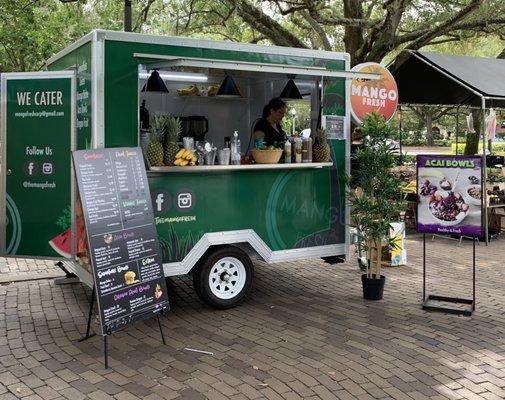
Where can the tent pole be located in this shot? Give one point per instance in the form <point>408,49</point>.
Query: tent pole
<point>484,167</point>
<point>400,117</point>
<point>457,128</point>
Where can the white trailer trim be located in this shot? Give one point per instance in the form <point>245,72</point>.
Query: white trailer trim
<point>82,273</point>
<point>252,238</point>
<point>97,91</point>
<point>176,61</point>
<point>225,238</point>
<point>347,134</point>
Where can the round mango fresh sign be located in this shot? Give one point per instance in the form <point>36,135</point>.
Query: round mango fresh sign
<point>379,95</point>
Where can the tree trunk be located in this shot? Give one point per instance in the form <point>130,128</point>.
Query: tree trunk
<point>429,127</point>
<point>353,36</point>
<point>472,139</point>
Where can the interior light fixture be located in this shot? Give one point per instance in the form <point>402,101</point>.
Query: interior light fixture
<point>155,83</point>
<point>228,88</point>
<point>290,91</point>
<point>178,76</point>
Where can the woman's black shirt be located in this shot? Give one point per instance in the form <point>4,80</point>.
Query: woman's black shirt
<point>271,135</point>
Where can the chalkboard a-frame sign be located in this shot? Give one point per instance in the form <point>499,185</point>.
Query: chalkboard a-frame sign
<point>123,244</point>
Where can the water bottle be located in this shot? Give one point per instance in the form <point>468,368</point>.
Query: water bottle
<point>287,152</point>
<point>235,149</point>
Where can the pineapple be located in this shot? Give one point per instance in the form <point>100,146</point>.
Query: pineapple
<point>155,147</point>
<point>321,150</point>
<point>173,127</point>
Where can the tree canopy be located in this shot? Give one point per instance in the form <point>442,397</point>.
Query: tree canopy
<point>370,30</point>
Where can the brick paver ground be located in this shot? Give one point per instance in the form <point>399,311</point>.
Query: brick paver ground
<point>18,269</point>
<point>305,333</point>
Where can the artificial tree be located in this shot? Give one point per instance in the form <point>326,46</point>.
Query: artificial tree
<point>376,198</point>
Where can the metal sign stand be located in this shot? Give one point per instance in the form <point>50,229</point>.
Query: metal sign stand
<point>105,347</point>
<point>427,301</point>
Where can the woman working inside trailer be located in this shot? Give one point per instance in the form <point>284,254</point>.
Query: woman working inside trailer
<point>269,127</point>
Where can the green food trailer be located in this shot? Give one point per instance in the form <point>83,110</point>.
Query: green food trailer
<point>212,220</point>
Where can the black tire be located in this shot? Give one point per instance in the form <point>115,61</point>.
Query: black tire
<point>243,272</point>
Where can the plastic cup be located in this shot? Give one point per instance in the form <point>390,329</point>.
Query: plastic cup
<point>223,156</point>
<point>210,157</point>
<point>188,143</point>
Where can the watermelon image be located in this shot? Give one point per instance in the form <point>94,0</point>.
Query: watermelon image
<point>62,243</point>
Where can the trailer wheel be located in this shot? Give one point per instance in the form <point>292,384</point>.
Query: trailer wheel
<point>224,277</point>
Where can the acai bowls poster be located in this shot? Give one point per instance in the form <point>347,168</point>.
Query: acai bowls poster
<point>449,189</point>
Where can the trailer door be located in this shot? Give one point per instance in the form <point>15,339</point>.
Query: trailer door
<point>37,136</point>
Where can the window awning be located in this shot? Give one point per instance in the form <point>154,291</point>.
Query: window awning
<point>162,61</point>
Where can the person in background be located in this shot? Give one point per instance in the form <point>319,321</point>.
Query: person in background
<point>269,127</point>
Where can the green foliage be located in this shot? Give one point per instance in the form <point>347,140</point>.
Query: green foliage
<point>335,109</point>
<point>378,200</point>
<point>405,159</point>
<point>175,248</point>
<point>64,220</point>
<point>443,142</point>
<point>497,148</point>
<point>302,120</point>
<point>33,30</point>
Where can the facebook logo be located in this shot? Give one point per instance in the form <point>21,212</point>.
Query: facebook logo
<point>31,168</point>
<point>160,200</point>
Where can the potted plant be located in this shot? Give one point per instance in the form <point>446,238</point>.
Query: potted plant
<point>376,199</point>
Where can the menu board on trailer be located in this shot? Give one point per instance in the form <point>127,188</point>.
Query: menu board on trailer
<point>335,126</point>
<point>122,237</point>
<point>450,194</point>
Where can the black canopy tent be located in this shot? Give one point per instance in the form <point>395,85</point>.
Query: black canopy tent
<point>425,78</point>
<point>440,79</point>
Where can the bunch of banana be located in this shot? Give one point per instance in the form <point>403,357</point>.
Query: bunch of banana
<point>212,90</point>
<point>185,157</point>
<point>411,187</point>
<point>191,91</point>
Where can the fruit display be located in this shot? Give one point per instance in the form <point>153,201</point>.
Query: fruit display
<point>496,196</point>
<point>271,147</point>
<point>191,91</point>
<point>411,187</point>
<point>321,149</point>
<point>445,184</point>
<point>212,90</point>
<point>406,173</point>
<point>427,188</point>
<point>267,155</point>
<point>173,128</point>
<point>475,192</point>
<point>185,157</point>
<point>474,180</point>
<point>450,208</point>
<point>154,150</point>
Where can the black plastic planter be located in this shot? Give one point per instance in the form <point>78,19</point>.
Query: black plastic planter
<point>373,289</point>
